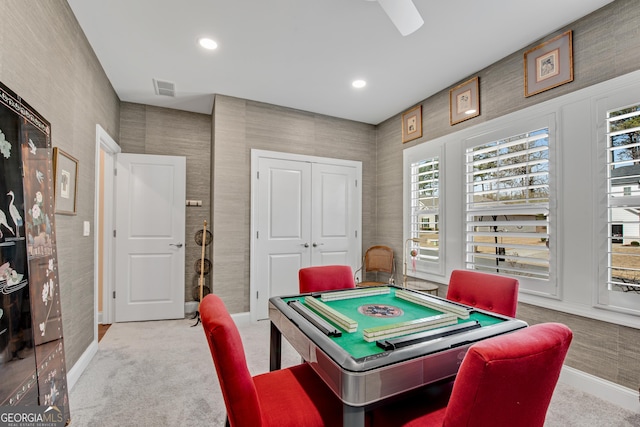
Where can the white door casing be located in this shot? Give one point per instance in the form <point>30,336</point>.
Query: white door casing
<point>104,173</point>
<point>305,211</point>
<point>150,237</point>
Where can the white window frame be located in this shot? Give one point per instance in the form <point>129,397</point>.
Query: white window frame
<point>623,302</point>
<point>424,269</point>
<point>579,249</point>
<point>426,255</point>
<point>546,286</point>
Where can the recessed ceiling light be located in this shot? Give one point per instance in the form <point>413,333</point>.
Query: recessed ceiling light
<point>359,84</point>
<point>207,43</point>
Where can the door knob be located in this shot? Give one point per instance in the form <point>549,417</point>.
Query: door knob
<point>178,245</point>
<point>317,244</point>
<point>306,245</point>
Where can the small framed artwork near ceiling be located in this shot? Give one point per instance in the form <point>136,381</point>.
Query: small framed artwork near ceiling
<point>464,101</point>
<point>412,124</point>
<point>549,64</point>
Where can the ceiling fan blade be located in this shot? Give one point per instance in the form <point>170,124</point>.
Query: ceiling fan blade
<point>403,14</point>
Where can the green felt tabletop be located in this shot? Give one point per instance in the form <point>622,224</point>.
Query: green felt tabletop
<point>355,344</point>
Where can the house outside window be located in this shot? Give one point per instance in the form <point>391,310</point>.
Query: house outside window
<point>425,213</point>
<point>507,205</point>
<point>623,169</point>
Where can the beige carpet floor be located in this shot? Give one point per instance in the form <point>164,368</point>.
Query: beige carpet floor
<point>161,374</point>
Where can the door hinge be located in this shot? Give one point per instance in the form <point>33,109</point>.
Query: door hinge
<point>356,234</point>
<point>115,171</point>
<point>114,294</point>
<point>356,183</point>
<point>114,233</point>
<point>258,175</point>
<point>257,234</point>
<point>257,294</point>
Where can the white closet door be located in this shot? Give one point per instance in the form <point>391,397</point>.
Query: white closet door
<point>305,213</point>
<point>284,227</point>
<point>333,215</point>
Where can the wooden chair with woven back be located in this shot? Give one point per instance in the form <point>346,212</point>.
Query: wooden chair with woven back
<point>378,267</point>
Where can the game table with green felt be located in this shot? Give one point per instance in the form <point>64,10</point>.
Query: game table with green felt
<point>362,373</point>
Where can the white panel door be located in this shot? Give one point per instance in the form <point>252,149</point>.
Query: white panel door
<point>149,243</point>
<point>333,214</point>
<point>283,226</point>
<point>305,213</point>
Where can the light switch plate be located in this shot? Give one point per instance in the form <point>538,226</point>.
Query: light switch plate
<point>87,228</point>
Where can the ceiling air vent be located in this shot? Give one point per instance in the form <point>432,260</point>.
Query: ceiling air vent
<point>164,88</point>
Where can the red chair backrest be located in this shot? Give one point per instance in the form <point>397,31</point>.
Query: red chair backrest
<point>486,291</point>
<point>238,389</point>
<point>508,380</point>
<point>325,278</point>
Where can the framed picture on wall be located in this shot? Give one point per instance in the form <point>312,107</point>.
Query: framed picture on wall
<point>65,172</point>
<point>464,101</point>
<point>412,124</point>
<point>549,64</point>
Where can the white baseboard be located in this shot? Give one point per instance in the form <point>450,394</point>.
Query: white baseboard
<point>606,390</point>
<point>242,318</point>
<point>78,368</point>
<point>83,362</point>
<point>190,308</point>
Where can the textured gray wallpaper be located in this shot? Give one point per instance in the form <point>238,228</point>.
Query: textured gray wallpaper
<point>606,44</point>
<point>45,58</point>
<point>151,130</point>
<point>606,350</point>
<point>241,125</point>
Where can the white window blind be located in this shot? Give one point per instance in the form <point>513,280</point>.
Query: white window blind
<point>623,167</point>
<point>507,205</point>
<point>425,211</point>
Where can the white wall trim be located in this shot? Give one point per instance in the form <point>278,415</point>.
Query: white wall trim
<point>105,143</point>
<point>606,390</point>
<point>82,363</point>
<point>242,318</point>
<point>591,312</point>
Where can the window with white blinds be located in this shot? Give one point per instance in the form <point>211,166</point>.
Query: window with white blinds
<point>424,229</point>
<point>507,205</point>
<point>623,183</point>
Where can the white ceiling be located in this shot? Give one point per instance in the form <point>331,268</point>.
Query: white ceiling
<point>304,54</point>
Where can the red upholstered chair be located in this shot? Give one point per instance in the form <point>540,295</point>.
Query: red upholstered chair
<point>325,278</point>
<point>486,291</point>
<point>507,380</point>
<point>292,397</point>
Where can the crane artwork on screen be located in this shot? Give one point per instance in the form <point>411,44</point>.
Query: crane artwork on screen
<point>32,359</point>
